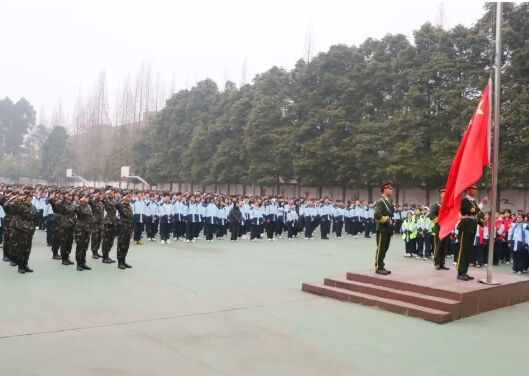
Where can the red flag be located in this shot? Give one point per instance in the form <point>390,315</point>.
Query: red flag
<point>467,167</point>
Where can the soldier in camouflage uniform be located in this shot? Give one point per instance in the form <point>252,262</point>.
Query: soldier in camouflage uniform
<point>22,229</point>
<point>82,231</point>
<point>9,251</point>
<point>98,214</point>
<point>124,230</point>
<point>109,224</point>
<point>67,228</point>
<point>56,224</point>
<point>3,201</point>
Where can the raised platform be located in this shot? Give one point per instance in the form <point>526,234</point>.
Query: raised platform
<point>421,291</point>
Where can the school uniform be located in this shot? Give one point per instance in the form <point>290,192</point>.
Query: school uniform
<point>47,214</point>
<point>222,225</point>
<point>165,211</point>
<point>39,203</point>
<point>499,227</point>
<point>324,213</point>
<point>280,220</point>
<point>139,211</point>
<point>309,215</point>
<point>193,221</point>
<point>357,218</point>
<point>428,237</point>
<point>517,240</point>
<point>151,210</point>
<point>338,218</point>
<point>211,219</point>
<point>257,218</point>
<point>178,220</point>
<point>271,217</point>
<point>369,227</point>
<point>409,235</point>
<point>291,219</point>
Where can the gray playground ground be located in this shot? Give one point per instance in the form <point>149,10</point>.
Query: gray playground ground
<point>235,309</point>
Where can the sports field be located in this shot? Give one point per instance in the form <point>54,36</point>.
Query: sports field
<point>235,309</point>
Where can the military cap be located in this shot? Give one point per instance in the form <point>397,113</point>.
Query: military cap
<point>474,186</point>
<point>442,189</point>
<point>385,185</point>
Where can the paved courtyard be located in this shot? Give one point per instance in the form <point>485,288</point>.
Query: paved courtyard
<point>234,309</point>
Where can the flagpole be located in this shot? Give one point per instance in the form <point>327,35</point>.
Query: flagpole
<point>496,137</point>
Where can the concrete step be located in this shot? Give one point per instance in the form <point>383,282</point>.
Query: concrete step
<point>423,300</point>
<point>411,286</point>
<point>392,305</point>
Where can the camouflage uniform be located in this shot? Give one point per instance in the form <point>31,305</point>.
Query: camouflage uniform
<point>109,226</point>
<point>22,229</point>
<point>82,233</point>
<point>124,232</point>
<point>67,227</point>
<point>56,227</point>
<point>9,251</point>
<point>98,213</point>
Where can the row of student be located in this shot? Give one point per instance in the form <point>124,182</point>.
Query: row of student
<point>511,240</point>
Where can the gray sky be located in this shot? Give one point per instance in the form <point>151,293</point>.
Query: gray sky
<point>54,49</point>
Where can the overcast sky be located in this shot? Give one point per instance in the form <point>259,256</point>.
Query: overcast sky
<point>53,49</point>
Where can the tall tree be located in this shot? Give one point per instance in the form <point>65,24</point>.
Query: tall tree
<point>57,155</point>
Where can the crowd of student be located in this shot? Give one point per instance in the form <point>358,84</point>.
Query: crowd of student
<point>510,237</point>
<point>185,216</point>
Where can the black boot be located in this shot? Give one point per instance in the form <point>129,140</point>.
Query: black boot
<point>128,266</point>
<point>6,257</point>
<point>13,263</point>
<point>80,267</point>
<point>83,264</point>
<point>96,255</point>
<point>21,270</point>
<point>106,259</point>
<point>66,261</point>
<point>26,267</point>
<point>121,265</point>
<point>56,256</point>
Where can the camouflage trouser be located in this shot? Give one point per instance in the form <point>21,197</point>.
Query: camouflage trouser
<point>82,237</point>
<point>66,242</point>
<point>97,236</point>
<point>124,234</point>
<point>8,247</point>
<point>56,237</point>
<point>108,238</point>
<point>21,245</point>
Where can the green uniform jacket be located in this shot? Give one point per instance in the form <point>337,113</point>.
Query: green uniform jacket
<point>434,216</point>
<point>469,207</point>
<point>383,214</point>
<point>84,216</point>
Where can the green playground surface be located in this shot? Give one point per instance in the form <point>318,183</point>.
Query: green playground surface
<point>235,309</point>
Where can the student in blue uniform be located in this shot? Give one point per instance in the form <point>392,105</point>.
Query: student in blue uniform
<point>193,220</point>
<point>139,210</point>
<point>309,216</point>
<point>324,213</point>
<point>48,217</point>
<point>292,218</point>
<point>166,215</point>
<point>210,218</point>
<point>339,218</point>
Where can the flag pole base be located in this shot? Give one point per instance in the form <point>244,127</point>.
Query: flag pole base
<point>483,280</point>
